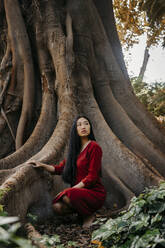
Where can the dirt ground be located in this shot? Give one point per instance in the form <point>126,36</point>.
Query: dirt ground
<point>69,229</point>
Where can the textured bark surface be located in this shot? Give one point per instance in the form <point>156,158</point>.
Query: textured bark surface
<point>144,65</point>
<point>60,58</point>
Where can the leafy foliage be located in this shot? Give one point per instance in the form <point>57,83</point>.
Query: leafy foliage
<point>9,235</point>
<point>9,227</point>
<point>50,241</point>
<point>142,225</point>
<point>54,241</point>
<point>151,95</point>
<point>155,10</point>
<point>32,218</point>
<point>132,21</point>
<point>8,232</point>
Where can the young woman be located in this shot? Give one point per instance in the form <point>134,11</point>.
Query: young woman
<point>82,170</point>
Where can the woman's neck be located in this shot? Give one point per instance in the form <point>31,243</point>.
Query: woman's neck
<point>84,140</point>
<point>84,144</point>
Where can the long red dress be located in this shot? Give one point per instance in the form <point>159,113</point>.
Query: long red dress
<point>85,200</point>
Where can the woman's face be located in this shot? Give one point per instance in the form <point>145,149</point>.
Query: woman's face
<point>83,127</point>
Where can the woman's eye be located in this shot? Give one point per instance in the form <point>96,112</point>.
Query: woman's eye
<point>80,124</point>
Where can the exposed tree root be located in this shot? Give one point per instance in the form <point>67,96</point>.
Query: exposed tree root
<point>26,175</point>
<point>5,76</point>
<point>21,189</point>
<point>125,129</point>
<point>4,174</point>
<point>34,235</point>
<point>8,124</point>
<point>40,135</point>
<point>121,196</point>
<point>6,61</point>
<point>22,41</point>
<point>63,86</point>
<point>6,141</point>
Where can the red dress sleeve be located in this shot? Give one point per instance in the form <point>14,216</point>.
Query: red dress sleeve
<point>94,167</point>
<point>59,168</point>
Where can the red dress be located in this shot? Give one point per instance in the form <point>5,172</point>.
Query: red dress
<point>85,200</point>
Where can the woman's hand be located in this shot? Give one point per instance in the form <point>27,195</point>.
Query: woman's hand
<point>35,164</point>
<point>79,185</point>
<point>38,164</point>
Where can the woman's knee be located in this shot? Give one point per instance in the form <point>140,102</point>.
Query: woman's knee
<point>58,208</point>
<point>66,200</point>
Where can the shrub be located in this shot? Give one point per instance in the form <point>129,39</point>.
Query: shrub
<point>141,226</point>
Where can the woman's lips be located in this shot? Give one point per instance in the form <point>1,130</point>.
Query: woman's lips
<point>84,131</point>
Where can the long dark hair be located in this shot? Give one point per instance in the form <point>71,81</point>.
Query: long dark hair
<point>69,172</point>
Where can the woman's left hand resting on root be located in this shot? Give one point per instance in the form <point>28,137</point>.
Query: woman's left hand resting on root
<point>38,164</point>
<point>50,168</point>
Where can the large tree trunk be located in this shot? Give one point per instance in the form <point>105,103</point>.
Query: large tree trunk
<point>69,53</point>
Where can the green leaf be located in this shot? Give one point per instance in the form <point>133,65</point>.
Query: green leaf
<point>146,240</point>
<point>4,235</point>
<point>142,222</point>
<point>156,195</point>
<point>23,242</point>
<point>141,226</point>
<point>50,241</point>
<point>7,220</point>
<point>72,243</point>
<point>156,207</point>
<point>32,217</point>
<point>156,218</point>
<point>102,233</point>
<point>1,208</point>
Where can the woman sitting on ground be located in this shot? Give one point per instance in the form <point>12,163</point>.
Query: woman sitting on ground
<point>82,170</point>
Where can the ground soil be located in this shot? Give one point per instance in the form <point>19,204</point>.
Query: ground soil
<point>69,228</point>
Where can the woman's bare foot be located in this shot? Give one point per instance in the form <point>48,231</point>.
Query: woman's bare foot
<point>87,221</point>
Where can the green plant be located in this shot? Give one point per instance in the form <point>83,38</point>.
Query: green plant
<point>32,218</point>
<point>142,225</point>
<point>9,226</point>
<point>8,229</point>
<point>50,241</point>
<point>72,244</point>
<point>54,241</point>
<point>151,95</point>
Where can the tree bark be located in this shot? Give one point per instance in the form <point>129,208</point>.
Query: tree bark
<point>144,65</point>
<point>19,40</point>
<point>69,52</point>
